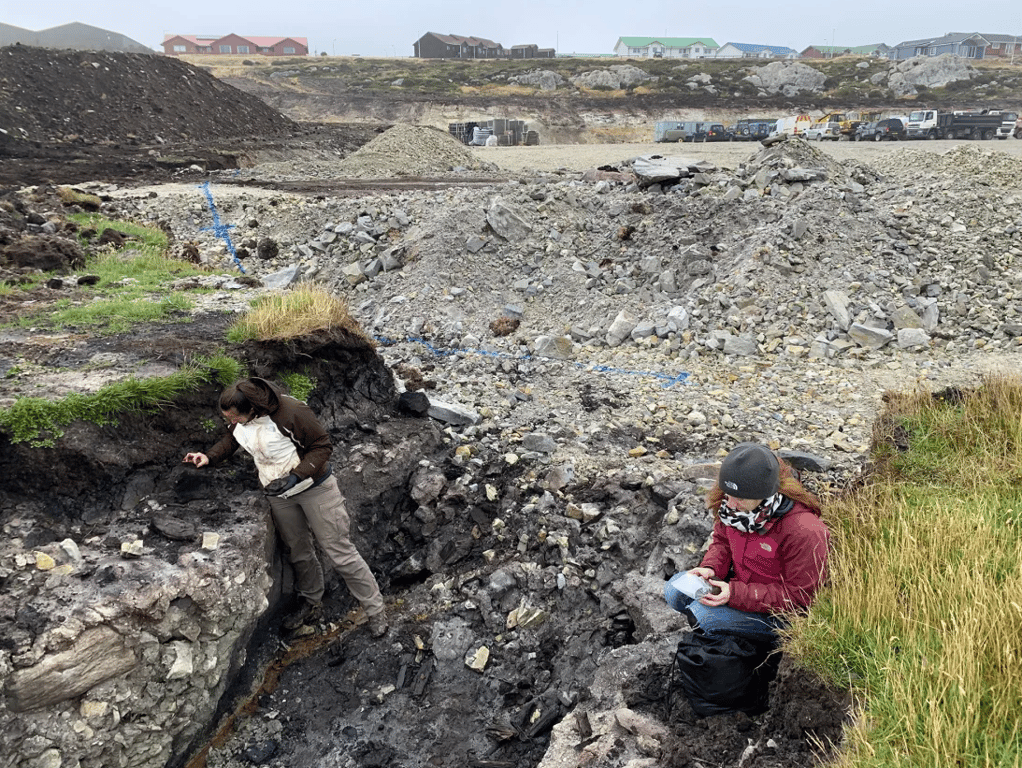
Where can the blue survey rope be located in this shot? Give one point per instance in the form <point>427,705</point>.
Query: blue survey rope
<point>669,380</point>
<point>219,229</point>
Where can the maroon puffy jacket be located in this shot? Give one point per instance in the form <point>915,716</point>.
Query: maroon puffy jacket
<point>777,570</point>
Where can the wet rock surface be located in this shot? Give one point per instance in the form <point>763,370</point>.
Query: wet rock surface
<point>587,347</point>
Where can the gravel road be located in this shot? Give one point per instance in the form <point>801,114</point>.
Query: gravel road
<point>581,157</point>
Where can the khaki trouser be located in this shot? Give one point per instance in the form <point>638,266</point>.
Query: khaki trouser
<point>318,515</point>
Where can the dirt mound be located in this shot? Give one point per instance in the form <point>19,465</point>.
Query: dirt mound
<point>93,96</point>
<point>411,150</point>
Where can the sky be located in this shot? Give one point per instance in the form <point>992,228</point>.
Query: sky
<point>390,27</point>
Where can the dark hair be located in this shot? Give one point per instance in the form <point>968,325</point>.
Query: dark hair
<point>234,399</point>
<point>248,396</point>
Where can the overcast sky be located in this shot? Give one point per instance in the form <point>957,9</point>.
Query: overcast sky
<point>390,27</point>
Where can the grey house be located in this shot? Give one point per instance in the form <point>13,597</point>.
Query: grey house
<point>434,46</point>
<point>968,45</point>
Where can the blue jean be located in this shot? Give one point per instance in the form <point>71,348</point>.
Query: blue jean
<point>722,619</point>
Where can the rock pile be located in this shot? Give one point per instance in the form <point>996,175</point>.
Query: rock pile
<point>410,150</point>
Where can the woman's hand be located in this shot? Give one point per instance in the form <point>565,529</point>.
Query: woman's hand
<point>198,459</point>
<point>721,597</point>
<point>703,573</point>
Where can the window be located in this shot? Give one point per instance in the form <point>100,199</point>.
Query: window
<point>289,49</point>
<point>225,49</point>
<point>180,48</point>
<point>242,49</point>
<point>265,50</point>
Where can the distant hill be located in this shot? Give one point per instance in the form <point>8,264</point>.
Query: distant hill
<point>74,36</point>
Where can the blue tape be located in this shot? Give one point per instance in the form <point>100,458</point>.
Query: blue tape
<point>219,229</point>
<point>668,380</point>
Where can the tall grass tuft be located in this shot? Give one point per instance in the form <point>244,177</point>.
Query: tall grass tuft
<point>303,310</point>
<point>922,617</point>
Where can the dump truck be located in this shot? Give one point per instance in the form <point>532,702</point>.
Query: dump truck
<point>962,124</point>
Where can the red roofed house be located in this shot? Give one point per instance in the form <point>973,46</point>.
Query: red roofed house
<point>175,45</point>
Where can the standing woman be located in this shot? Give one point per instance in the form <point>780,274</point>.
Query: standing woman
<point>768,554</point>
<point>291,449</point>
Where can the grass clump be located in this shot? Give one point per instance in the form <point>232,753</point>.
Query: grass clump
<point>300,311</point>
<point>40,422</point>
<point>115,315</point>
<point>299,385</point>
<point>923,614</point>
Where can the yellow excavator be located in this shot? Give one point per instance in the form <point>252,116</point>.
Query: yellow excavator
<point>849,121</point>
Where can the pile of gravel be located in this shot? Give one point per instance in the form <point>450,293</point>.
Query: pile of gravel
<point>410,150</point>
<point>987,167</point>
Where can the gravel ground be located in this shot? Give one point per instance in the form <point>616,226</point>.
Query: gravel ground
<point>580,157</point>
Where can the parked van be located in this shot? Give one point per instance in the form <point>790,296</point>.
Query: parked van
<point>680,130</point>
<point>793,125</point>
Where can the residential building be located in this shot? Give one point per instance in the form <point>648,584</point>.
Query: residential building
<point>755,51</point>
<point>434,46</point>
<point>233,45</point>
<point>531,51</point>
<point>833,51</point>
<point>666,47</point>
<point>74,36</point>
<point>968,45</point>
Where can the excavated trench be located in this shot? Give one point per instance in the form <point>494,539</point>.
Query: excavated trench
<point>458,547</point>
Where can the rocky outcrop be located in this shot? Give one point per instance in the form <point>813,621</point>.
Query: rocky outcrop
<point>543,79</point>
<point>788,78</point>
<point>908,76</point>
<point>126,660</point>
<point>614,77</point>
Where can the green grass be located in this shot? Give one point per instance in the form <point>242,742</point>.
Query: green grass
<point>111,316</point>
<point>131,286</point>
<point>922,617</point>
<point>40,421</point>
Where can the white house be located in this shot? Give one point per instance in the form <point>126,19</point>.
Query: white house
<point>666,47</point>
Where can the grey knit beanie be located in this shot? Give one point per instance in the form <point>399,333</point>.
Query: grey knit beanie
<point>750,471</point>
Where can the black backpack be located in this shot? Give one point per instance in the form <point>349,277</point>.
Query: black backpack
<point>720,674</point>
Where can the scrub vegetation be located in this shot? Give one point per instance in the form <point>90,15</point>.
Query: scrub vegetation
<point>40,421</point>
<point>923,615</point>
<point>129,282</point>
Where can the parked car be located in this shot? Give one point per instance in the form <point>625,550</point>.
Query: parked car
<point>891,129</point>
<point>754,129</point>
<point>717,132</point>
<point>820,131</point>
<point>867,132</point>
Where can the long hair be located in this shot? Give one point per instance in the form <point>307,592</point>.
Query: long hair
<point>790,487</point>
<point>249,396</point>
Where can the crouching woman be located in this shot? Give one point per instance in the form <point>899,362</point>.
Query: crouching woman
<point>768,554</point>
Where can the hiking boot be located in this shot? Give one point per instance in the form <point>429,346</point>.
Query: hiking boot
<point>378,625</point>
<point>308,613</point>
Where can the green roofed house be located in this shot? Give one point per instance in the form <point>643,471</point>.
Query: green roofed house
<point>833,51</point>
<point>666,47</point>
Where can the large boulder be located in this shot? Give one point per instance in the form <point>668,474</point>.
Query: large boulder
<point>788,78</point>
<point>615,77</point>
<point>928,72</point>
<point>543,79</point>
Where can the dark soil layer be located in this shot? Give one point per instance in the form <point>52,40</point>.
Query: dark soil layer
<point>75,116</point>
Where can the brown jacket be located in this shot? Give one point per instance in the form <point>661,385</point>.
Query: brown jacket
<point>294,419</point>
